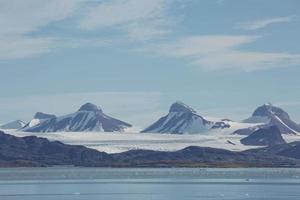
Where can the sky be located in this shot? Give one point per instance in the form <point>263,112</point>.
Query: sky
<point>134,58</point>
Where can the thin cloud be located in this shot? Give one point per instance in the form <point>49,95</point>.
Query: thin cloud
<point>224,52</point>
<point>118,12</point>
<point>130,22</point>
<point>18,19</point>
<point>258,24</point>
<point>22,47</point>
<point>139,19</point>
<point>21,21</point>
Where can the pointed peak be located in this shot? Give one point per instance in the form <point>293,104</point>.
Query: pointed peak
<point>41,115</point>
<point>179,106</point>
<point>89,107</point>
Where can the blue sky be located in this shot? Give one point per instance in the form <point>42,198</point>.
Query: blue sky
<point>136,57</point>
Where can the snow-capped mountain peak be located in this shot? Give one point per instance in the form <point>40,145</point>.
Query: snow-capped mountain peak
<point>181,119</point>
<point>178,106</point>
<point>269,114</point>
<point>88,118</point>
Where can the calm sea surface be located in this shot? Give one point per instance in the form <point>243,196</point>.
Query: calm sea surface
<point>143,184</point>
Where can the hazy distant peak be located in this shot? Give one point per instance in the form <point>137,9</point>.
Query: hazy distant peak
<point>41,115</point>
<point>90,107</point>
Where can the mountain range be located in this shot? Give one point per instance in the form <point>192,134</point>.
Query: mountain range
<point>181,119</point>
<point>34,151</point>
<point>264,129</point>
<point>89,117</point>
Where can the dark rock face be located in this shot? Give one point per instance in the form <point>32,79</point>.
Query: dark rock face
<point>34,151</point>
<point>202,157</point>
<point>286,126</point>
<point>180,119</point>
<point>276,116</point>
<point>290,150</point>
<point>41,115</point>
<point>243,131</point>
<point>88,118</point>
<point>247,131</point>
<point>220,125</point>
<point>40,151</point>
<point>267,136</point>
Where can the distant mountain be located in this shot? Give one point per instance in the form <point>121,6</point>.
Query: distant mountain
<point>267,136</point>
<point>88,118</point>
<point>41,115</point>
<point>180,119</point>
<point>35,151</point>
<point>272,115</point>
<point>18,124</point>
<point>38,118</point>
<point>221,125</point>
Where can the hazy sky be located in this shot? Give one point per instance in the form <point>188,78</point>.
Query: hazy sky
<point>136,57</point>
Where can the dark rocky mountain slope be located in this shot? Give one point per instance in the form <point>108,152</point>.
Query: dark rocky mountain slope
<point>34,151</point>
<point>266,136</point>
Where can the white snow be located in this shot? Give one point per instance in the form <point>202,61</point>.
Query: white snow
<point>291,138</point>
<point>197,124</point>
<point>119,142</point>
<point>34,122</point>
<point>123,141</point>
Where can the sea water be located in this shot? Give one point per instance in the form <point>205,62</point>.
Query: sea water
<point>71,183</point>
